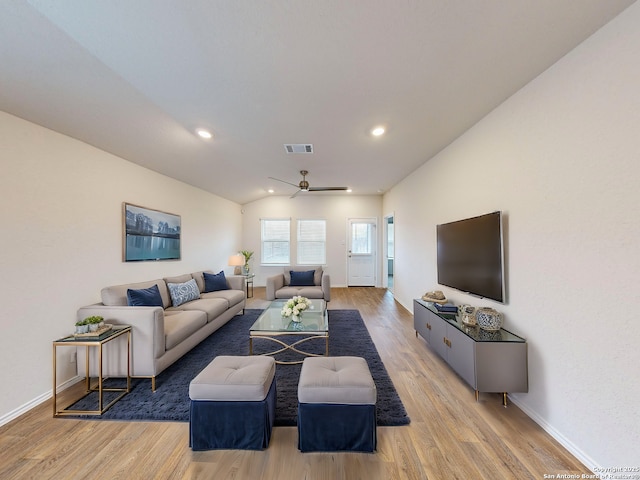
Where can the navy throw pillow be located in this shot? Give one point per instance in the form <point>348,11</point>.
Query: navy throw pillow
<point>146,297</point>
<point>214,282</point>
<point>302,279</point>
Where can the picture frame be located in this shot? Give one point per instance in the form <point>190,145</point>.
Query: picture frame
<point>150,235</point>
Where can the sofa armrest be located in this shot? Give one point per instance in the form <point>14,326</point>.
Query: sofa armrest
<point>274,283</point>
<point>147,331</point>
<point>237,282</point>
<point>326,287</point>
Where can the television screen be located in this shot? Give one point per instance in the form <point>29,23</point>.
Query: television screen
<point>470,256</point>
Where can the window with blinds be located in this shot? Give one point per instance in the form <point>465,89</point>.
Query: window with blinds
<point>276,234</point>
<point>312,242</point>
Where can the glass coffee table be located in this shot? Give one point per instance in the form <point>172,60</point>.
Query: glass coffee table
<point>271,326</point>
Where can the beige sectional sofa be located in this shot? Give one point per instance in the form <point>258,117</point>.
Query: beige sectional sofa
<point>163,334</point>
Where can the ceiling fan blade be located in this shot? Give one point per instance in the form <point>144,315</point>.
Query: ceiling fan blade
<point>321,189</point>
<point>295,194</point>
<point>284,181</point>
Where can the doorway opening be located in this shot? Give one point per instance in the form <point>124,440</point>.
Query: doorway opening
<point>389,242</point>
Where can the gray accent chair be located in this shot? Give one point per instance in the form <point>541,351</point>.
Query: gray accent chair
<point>279,286</point>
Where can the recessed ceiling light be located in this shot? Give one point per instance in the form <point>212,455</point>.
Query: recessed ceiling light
<point>204,133</point>
<point>376,132</point>
<point>349,190</point>
<point>271,190</point>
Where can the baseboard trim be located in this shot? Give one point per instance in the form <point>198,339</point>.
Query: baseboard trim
<point>37,401</point>
<point>566,443</point>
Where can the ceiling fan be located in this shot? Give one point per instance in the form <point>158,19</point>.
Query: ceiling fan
<point>304,185</point>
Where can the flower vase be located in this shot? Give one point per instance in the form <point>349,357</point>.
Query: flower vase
<point>489,319</point>
<point>296,318</point>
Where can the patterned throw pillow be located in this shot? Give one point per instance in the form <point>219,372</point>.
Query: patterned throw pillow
<point>214,282</point>
<point>183,292</point>
<point>146,297</point>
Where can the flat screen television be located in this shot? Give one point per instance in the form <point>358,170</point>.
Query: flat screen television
<point>470,256</point>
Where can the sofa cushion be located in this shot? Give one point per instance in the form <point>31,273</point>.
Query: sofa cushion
<point>144,297</point>
<point>308,292</point>
<point>212,307</point>
<point>301,279</point>
<point>214,282</point>
<point>116,295</point>
<point>183,292</point>
<point>181,324</point>
<point>199,278</point>
<point>233,297</point>
<point>178,279</point>
<point>317,275</point>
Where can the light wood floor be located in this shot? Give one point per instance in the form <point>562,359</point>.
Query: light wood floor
<point>450,435</point>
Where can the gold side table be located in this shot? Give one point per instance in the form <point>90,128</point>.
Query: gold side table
<point>98,343</point>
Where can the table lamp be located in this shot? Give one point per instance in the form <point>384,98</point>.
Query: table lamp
<point>237,261</point>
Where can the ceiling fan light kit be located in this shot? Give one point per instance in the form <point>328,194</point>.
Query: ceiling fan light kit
<point>303,185</point>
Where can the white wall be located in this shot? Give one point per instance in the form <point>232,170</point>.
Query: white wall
<point>61,242</point>
<point>561,159</point>
<point>335,209</point>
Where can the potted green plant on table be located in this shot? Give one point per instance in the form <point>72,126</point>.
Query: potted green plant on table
<point>94,322</point>
<point>82,326</point>
<point>247,256</point>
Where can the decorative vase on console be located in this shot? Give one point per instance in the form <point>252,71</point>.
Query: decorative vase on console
<point>489,319</point>
<point>468,314</point>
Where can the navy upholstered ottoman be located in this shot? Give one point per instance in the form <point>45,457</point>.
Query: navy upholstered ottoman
<point>336,405</point>
<point>233,402</point>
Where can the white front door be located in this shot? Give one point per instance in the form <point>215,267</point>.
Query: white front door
<point>361,254</point>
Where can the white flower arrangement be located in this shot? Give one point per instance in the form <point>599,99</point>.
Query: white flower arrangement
<point>294,308</point>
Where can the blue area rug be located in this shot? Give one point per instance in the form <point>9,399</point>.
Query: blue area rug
<point>348,335</point>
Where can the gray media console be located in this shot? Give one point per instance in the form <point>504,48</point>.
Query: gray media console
<point>488,361</point>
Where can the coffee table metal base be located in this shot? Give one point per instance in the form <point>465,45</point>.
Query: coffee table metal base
<point>290,346</point>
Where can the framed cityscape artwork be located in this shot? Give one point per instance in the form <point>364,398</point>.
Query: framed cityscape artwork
<point>149,235</point>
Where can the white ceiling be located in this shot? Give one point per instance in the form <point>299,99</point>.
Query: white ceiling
<point>137,77</point>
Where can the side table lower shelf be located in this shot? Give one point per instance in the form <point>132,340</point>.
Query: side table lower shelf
<point>249,284</point>
<point>98,343</point>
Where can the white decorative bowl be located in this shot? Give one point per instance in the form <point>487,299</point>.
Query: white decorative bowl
<point>489,319</point>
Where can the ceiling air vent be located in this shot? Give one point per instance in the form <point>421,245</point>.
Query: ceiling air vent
<point>298,147</point>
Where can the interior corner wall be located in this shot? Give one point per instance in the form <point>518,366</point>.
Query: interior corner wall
<point>561,159</point>
<point>335,209</point>
<point>61,217</point>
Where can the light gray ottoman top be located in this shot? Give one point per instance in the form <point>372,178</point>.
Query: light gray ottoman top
<point>344,380</point>
<point>231,378</point>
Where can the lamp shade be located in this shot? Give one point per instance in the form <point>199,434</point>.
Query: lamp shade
<point>236,260</point>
